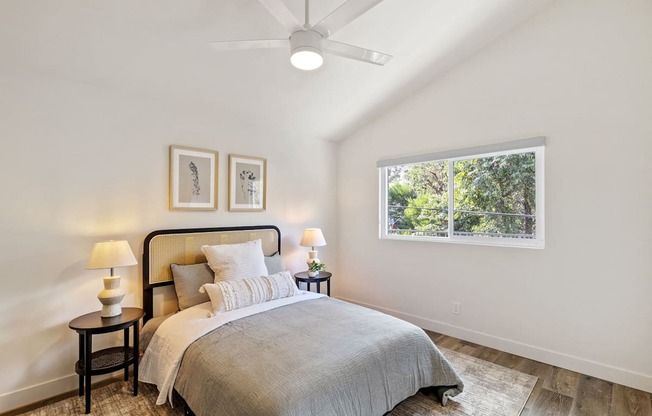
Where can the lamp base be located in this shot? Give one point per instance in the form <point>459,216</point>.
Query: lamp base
<point>109,311</point>
<point>312,257</point>
<point>111,297</point>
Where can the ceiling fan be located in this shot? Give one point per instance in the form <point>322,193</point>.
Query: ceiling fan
<point>308,42</point>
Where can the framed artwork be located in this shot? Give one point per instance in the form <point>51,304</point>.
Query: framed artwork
<point>193,178</point>
<point>247,183</point>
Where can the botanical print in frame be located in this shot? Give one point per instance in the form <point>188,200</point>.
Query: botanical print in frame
<point>193,178</point>
<point>247,183</point>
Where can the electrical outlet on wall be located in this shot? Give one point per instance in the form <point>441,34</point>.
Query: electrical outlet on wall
<point>457,308</point>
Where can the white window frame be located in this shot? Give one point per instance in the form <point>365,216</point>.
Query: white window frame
<point>535,145</point>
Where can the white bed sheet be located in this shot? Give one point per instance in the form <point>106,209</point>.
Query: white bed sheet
<point>161,361</point>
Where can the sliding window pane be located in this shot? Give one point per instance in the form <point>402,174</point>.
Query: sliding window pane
<point>495,197</point>
<point>417,199</point>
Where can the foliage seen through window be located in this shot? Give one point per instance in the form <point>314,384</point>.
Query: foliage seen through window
<point>493,197</point>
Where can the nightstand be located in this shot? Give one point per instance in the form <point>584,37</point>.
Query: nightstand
<point>109,359</point>
<point>321,277</point>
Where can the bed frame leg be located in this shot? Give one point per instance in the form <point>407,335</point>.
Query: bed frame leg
<point>443,393</point>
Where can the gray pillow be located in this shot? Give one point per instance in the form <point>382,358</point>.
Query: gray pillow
<point>188,278</point>
<point>274,264</point>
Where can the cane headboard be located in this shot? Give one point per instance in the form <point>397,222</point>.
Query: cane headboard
<point>183,246</point>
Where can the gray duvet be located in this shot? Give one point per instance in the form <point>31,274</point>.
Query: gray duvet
<point>318,357</point>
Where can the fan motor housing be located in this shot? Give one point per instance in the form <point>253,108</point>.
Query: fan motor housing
<point>302,40</point>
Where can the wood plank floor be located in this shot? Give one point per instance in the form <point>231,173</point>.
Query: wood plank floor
<point>560,392</point>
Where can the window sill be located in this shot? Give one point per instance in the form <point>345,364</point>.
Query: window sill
<point>503,242</point>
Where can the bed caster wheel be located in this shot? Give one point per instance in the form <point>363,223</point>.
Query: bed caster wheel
<point>444,393</point>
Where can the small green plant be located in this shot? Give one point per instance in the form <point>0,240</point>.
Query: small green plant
<point>315,267</point>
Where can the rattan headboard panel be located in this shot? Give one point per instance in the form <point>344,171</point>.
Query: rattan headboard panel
<point>183,246</point>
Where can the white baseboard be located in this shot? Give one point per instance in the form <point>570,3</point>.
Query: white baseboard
<point>603,371</point>
<point>42,391</point>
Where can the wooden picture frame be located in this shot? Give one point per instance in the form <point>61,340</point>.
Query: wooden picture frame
<point>193,178</point>
<point>247,183</point>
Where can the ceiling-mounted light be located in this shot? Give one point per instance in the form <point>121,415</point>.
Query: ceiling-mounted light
<point>306,59</point>
<point>308,44</point>
<point>306,49</point>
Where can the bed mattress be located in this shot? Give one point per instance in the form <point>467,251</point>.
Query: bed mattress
<point>315,357</point>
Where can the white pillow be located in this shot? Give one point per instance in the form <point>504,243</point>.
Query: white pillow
<point>234,294</point>
<point>236,261</point>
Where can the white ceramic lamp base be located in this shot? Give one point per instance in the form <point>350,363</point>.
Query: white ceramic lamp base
<point>312,256</point>
<point>111,297</point>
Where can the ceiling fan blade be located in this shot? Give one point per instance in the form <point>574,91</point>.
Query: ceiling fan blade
<point>281,13</point>
<point>355,52</point>
<point>236,45</point>
<point>343,15</point>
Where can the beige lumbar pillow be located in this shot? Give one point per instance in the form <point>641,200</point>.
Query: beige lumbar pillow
<point>234,294</point>
<point>236,261</point>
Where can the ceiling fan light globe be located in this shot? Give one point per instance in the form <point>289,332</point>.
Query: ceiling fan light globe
<point>306,58</point>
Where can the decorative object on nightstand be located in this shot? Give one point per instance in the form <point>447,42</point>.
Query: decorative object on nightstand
<point>312,237</point>
<point>108,255</point>
<point>314,268</point>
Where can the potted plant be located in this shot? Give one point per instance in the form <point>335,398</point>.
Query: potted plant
<point>314,268</point>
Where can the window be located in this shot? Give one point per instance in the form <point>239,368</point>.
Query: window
<point>485,195</point>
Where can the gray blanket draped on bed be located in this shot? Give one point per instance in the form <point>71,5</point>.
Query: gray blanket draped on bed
<point>319,357</point>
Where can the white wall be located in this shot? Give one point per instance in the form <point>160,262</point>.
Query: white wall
<point>578,73</point>
<point>79,164</point>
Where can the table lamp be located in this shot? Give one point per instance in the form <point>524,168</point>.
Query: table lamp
<point>312,237</point>
<point>108,255</point>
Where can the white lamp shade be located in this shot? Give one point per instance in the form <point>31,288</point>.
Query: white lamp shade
<point>312,237</point>
<point>110,254</point>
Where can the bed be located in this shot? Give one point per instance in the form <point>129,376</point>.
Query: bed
<point>298,354</point>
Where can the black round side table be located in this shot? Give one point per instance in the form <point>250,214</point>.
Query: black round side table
<point>109,359</point>
<point>321,277</point>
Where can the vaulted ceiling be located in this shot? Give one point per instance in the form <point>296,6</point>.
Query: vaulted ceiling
<point>161,48</point>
